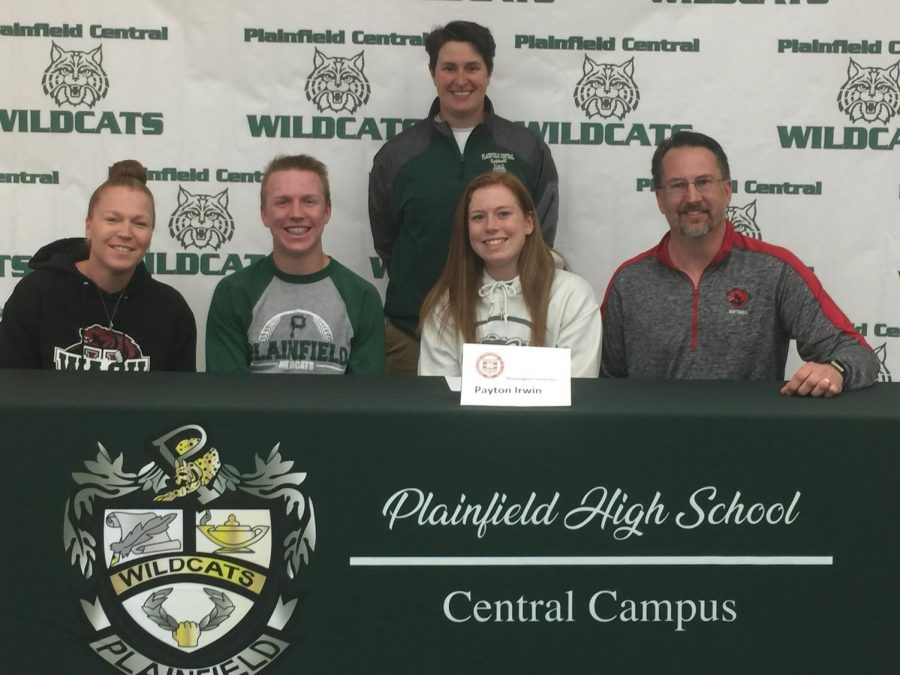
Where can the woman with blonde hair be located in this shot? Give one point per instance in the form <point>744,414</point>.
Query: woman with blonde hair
<point>500,285</point>
<point>90,303</point>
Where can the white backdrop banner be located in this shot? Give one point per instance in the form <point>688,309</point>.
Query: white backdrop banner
<point>804,95</point>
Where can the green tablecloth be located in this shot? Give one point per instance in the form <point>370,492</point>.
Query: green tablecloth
<point>616,539</point>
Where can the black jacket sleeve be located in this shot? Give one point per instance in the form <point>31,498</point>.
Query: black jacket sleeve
<point>20,345</point>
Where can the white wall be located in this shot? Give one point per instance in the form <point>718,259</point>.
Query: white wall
<point>191,98</point>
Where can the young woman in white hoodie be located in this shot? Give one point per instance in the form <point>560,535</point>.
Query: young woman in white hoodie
<point>501,286</point>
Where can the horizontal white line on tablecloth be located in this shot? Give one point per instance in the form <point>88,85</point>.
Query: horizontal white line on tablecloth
<point>548,561</point>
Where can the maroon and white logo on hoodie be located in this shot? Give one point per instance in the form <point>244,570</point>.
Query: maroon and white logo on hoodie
<point>101,348</point>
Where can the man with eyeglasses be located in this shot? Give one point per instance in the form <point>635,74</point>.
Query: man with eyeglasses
<point>710,303</point>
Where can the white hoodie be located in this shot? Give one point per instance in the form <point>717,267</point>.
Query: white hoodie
<point>573,321</point>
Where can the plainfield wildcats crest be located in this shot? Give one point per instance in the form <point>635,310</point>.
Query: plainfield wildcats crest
<point>744,219</point>
<point>75,78</point>
<point>870,94</point>
<point>607,89</point>
<point>188,564</point>
<point>337,83</point>
<point>201,221</point>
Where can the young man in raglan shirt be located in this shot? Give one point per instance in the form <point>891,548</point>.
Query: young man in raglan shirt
<point>296,311</point>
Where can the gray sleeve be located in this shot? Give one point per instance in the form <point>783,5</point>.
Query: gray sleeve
<point>862,365</point>
<point>613,361</point>
<point>823,332</point>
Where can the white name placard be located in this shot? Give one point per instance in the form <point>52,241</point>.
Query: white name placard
<point>517,376</point>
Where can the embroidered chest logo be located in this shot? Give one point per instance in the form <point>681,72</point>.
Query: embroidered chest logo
<point>607,89</point>
<point>498,160</point>
<point>337,83</point>
<point>75,78</point>
<point>188,562</point>
<point>737,298</point>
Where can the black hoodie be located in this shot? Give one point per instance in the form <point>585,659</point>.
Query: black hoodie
<point>58,318</point>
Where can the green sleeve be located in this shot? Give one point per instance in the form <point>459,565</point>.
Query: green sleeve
<point>227,350</point>
<point>367,319</point>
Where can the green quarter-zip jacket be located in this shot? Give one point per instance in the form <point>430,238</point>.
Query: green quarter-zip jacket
<point>416,181</point>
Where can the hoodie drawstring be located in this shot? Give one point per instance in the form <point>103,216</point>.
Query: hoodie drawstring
<point>506,290</point>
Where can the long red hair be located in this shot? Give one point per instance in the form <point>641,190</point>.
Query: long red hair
<point>455,295</point>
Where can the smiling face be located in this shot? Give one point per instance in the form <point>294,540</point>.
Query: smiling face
<point>497,230</point>
<point>693,215</point>
<point>119,229</point>
<point>461,78</point>
<point>295,211</point>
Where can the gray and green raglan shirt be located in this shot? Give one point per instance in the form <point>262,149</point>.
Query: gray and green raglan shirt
<point>416,181</point>
<point>751,300</point>
<point>264,321</point>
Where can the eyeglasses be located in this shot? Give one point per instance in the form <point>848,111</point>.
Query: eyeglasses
<point>679,187</point>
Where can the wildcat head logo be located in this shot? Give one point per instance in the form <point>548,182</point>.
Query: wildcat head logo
<point>744,219</point>
<point>337,83</point>
<point>870,94</point>
<point>187,563</point>
<point>101,348</point>
<point>884,375</point>
<point>607,89</point>
<point>201,221</point>
<point>737,297</point>
<point>75,78</point>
